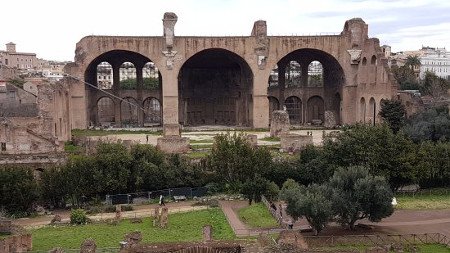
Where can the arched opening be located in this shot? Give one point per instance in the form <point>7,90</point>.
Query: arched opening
<point>312,73</point>
<point>105,110</point>
<point>128,80</point>
<point>373,60</point>
<point>152,112</point>
<point>372,111</point>
<point>362,110</point>
<point>215,88</point>
<point>151,76</point>
<point>129,112</point>
<point>364,61</point>
<point>316,110</point>
<point>315,74</point>
<point>294,108</point>
<point>274,105</point>
<point>293,74</point>
<point>121,73</point>
<point>104,76</point>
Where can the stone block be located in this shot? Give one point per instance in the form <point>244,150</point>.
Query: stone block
<point>295,142</point>
<point>5,226</point>
<point>330,119</point>
<point>173,144</point>
<point>207,233</point>
<point>280,123</point>
<point>88,246</point>
<point>171,130</point>
<point>252,139</point>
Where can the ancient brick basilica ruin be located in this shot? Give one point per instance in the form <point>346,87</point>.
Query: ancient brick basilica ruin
<point>232,81</point>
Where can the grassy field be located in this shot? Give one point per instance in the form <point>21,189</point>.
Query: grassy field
<point>274,139</point>
<point>182,227</point>
<point>438,200</point>
<point>257,216</point>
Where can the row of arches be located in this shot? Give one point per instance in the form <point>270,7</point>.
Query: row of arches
<point>312,112</point>
<point>297,75</point>
<point>368,112</point>
<point>129,111</point>
<point>215,87</point>
<point>128,75</point>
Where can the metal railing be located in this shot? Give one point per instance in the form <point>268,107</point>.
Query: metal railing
<point>380,240</point>
<point>142,197</point>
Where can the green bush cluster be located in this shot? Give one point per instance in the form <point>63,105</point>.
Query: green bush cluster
<point>78,217</point>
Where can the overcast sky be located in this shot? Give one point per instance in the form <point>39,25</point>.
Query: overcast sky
<point>51,28</point>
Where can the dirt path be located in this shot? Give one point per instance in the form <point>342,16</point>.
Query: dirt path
<point>138,212</point>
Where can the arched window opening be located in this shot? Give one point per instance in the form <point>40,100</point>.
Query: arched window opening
<point>104,76</point>
<point>129,112</point>
<point>128,80</point>
<point>294,109</point>
<point>150,74</point>
<point>105,110</point>
<point>315,74</point>
<point>152,112</point>
<point>293,72</point>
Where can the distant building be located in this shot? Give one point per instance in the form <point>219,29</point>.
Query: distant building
<point>19,60</point>
<point>436,60</point>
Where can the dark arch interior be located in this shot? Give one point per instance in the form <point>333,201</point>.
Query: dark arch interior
<point>215,88</point>
<point>124,78</point>
<point>324,108</point>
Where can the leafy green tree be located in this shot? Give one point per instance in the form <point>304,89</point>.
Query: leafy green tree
<point>53,186</point>
<point>412,61</point>
<point>114,161</point>
<point>377,148</point>
<point>355,195</point>
<point>290,187</point>
<point>272,191</point>
<point>432,124</point>
<point>405,77</point>
<point>18,189</point>
<point>435,86</point>
<point>313,167</point>
<point>234,161</point>
<point>393,112</point>
<point>433,164</point>
<point>253,188</point>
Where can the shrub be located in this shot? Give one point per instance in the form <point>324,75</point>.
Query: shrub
<point>125,208</point>
<point>78,217</point>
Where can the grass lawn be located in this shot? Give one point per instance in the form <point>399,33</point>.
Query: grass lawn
<point>431,201</point>
<point>182,227</point>
<point>257,216</point>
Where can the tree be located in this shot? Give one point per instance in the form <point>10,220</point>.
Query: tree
<point>434,86</point>
<point>432,124</point>
<point>233,161</point>
<point>114,160</point>
<point>393,112</point>
<point>355,195</point>
<point>377,148</point>
<point>412,61</point>
<point>18,189</point>
<point>433,164</point>
<point>253,188</point>
<point>405,77</point>
<point>312,203</point>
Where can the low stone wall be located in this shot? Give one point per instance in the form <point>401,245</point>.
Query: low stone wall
<point>173,144</point>
<point>212,247</point>
<point>16,243</point>
<point>295,142</point>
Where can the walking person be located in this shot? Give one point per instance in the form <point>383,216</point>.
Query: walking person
<point>161,200</point>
